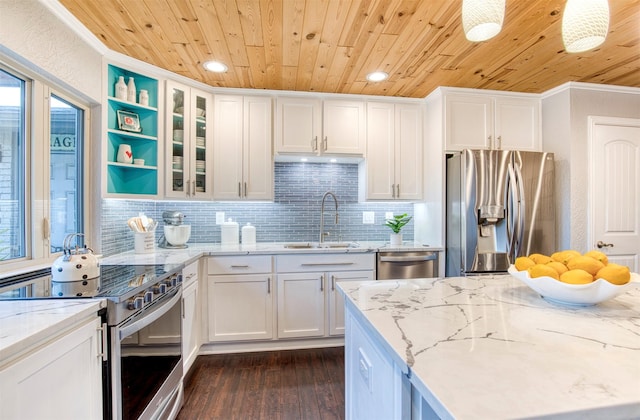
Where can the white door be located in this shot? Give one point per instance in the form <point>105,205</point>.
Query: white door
<point>301,305</point>
<point>615,189</point>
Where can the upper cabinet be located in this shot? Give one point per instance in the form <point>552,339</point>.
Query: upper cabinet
<point>131,145</point>
<point>491,121</point>
<point>243,159</point>
<point>393,168</point>
<point>189,145</point>
<point>310,126</point>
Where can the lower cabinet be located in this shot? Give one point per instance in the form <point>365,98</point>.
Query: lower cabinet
<point>375,387</point>
<point>62,379</point>
<point>239,298</point>
<point>190,316</point>
<point>308,303</point>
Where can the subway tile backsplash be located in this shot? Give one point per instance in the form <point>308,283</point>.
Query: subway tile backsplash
<point>293,216</point>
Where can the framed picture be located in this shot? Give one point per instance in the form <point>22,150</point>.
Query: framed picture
<point>129,121</point>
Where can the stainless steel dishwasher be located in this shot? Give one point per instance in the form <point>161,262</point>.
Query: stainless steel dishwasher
<point>407,265</point>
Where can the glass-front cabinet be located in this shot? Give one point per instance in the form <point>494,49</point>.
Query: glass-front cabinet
<point>189,142</point>
<point>131,144</point>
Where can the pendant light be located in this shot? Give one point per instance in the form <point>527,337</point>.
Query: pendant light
<point>585,24</point>
<point>482,19</point>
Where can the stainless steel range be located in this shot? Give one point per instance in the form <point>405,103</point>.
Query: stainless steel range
<point>145,340</point>
<point>143,367</point>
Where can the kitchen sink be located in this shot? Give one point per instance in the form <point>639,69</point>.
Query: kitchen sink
<point>311,245</point>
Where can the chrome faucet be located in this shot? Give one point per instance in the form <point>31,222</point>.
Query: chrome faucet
<point>324,197</point>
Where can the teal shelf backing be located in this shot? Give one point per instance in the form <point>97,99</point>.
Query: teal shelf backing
<point>141,81</point>
<point>131,180</point>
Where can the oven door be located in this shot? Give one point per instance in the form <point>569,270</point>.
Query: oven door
<point>146,368</point>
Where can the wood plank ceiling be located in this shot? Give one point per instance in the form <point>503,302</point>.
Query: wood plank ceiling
<point>330,45</point>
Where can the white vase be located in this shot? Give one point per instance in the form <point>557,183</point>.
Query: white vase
<point>124,154</point>
<point>144,97</point>
<point>121,89</point>
<point>131,90</point>
<point>395,239</point>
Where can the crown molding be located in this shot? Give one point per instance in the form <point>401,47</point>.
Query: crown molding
<point>569,86</point>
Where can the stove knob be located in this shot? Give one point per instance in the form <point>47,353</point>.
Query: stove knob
<point>179,278</point>
<point>163,288</point>
<point>148,296</point>
<point>174,281</point>
<point>135,303</point>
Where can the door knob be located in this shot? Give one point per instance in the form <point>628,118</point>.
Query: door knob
<point>601,244</point>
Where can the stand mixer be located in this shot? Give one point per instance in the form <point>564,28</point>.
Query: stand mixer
<point>176,234</point>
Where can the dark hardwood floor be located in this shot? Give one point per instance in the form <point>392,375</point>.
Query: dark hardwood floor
<point>293,384</point>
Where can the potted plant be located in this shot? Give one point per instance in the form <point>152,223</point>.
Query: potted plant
<point>396,223</point>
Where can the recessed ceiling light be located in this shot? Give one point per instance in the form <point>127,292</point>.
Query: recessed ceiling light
<point>377,76</point>
<point>215,66</point>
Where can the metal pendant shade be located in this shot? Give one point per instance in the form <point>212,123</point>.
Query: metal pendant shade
<point>482,19</point>
<point>585,24</point>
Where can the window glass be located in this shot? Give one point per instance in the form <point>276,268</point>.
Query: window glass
<point>66,171</point>
<point>12,167</point>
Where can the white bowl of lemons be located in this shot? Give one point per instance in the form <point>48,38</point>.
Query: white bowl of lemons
<point>571,278</point>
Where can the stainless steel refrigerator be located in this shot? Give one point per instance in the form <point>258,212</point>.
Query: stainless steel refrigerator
<point>500,205</point>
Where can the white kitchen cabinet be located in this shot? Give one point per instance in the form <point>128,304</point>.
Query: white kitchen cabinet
<point>375,386</point>
<point>243,160</point>
<point>336,301</point>
<point>61,379</point>
<point>307,297</point>
<point>310,126</point>
<point>393,168</point>
<point>491,121</point>
<point>298,125</point>
<point>189,143</point>
<point>239,298</point>
<point>190,316</point>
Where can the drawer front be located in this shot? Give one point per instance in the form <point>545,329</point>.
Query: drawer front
<point>254,264</point>
<point>325,262</point>
<point>189,274</point>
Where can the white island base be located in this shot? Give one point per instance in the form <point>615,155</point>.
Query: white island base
<point>487,347</point>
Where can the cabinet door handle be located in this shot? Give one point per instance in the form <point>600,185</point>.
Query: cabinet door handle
<point>325,144</point>
<point>193,188</point>
<point>268,285</point>
<point>239,266</point>
<point>397,190</point>
<point>188,189</point>
<point>314,144</point>
<point>322,283</point>
<point>239,189</point>
<point>104,342</point>
<point>490,143</point>
<point>499,142</point>
<point>327,263</point>
<point>333,282</point>
<point>393,190</point>
<point>245,190</point>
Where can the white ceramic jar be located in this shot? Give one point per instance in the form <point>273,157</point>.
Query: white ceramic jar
<point>248,234</point>
<point>229,233</point>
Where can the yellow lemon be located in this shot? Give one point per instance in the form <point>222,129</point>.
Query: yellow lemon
<point>600,256</point>
<point>522,263</point>
<point>615,273</point>
<point>564,256</point>
<point>558,266</point>
<point>543,270</point>
<point>588,264</point>
<point>576,276</point>
<point>540,259</point>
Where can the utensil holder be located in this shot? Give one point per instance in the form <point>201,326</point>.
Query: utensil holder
<point>144,242</point>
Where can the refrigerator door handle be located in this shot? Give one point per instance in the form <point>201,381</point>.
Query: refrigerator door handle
<point>512,216</point>
<point>521,208</point>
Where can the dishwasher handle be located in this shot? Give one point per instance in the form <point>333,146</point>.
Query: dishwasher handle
<point>414,258</point>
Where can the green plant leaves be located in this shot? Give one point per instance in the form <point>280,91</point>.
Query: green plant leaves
<point>398,222</point>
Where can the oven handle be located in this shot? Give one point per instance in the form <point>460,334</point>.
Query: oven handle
<point>148,318</point>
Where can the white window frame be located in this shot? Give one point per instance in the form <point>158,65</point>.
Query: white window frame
<point>37,167</point>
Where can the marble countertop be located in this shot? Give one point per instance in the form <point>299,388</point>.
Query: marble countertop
<point>197,250</point>
<point>490,347</point>
<point>27,323</point>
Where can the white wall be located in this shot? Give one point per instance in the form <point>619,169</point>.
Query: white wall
<point>32,35</point>
<point>565,113</point>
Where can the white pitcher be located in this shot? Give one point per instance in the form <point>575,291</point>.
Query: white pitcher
<point>124,154</point>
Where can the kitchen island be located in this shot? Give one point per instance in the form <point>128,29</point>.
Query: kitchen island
<point>488,347</point>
